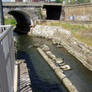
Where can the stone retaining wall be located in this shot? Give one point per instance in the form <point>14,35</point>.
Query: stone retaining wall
<point>61,36</point>
<point>78,49</point>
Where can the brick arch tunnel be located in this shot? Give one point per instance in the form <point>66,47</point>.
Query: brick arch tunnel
<point>53,12</point>
<point>22,19</point>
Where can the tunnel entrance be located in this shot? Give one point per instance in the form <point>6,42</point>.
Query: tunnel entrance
<point>53,12</point>
<point>23,21</point>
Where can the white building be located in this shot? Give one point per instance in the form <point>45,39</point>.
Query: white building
<point>12,0</point>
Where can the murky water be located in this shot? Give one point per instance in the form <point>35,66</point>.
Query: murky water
<point>80,76</point>
<point>42,76</point>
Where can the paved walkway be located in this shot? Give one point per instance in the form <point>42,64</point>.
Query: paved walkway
<point>24,82</point>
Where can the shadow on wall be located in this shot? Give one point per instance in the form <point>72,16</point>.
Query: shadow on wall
<point>23,21</point>
<point>37,83</point>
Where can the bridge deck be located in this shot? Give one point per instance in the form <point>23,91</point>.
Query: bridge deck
<point>26,4</point>
<point>41,4</point>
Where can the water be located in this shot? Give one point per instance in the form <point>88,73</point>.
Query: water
<point>42,77</point>
<point>80,76</point>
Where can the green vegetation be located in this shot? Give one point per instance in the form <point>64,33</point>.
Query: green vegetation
<point>10,21</point>
<point>73,1</point>
<point>84,1</point>
<point>86,39</point>
<point>59,1</point>
<point>40,13</point>
<point>81,32</point>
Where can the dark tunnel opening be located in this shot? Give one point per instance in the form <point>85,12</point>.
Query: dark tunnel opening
<point>23,21</point>
<point>53,12</point>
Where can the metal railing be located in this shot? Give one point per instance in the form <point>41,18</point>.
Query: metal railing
<point>7,58</point>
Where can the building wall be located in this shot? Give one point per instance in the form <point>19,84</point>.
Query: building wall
<point>38,0</point>
<point>18,0</point>
<point>27,0</point>
<point>78,13</point>
<point>12,0</point>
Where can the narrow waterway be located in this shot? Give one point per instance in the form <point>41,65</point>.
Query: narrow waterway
<point>42,76</point>
<point>80,76</point>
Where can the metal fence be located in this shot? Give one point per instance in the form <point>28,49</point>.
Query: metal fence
<point>7,58</point>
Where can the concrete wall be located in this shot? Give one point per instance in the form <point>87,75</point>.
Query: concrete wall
<point>78,12</point>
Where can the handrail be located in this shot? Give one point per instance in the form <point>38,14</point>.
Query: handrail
<point>5,25</point>
<point>7,58</point>
<point>5,32</point>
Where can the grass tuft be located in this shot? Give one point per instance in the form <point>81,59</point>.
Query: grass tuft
<point>10,21</point>
<point>81,32</point>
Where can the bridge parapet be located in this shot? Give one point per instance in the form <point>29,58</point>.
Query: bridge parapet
<point>41,4</point>
<point>28,4</point>
<point>7,58</point>
<point>21,4</point>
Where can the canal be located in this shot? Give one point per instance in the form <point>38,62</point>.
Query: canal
<point>80,76</point>
<point>42,76</point>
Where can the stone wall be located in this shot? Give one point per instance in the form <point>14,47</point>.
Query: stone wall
<point>61,36</point>
<point>78,49</point>
<point>32,12</point>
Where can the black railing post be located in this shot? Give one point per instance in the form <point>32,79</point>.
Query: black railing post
<point>1,14</point>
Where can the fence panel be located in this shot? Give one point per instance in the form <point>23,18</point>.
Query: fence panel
<point>6,59</point>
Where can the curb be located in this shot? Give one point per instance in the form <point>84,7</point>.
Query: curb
<point>15,77</point>
<point>59,72</point>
